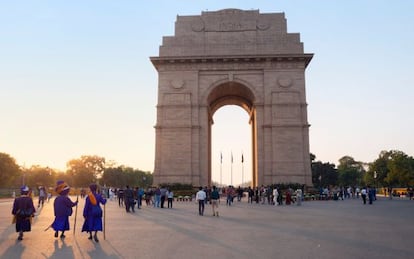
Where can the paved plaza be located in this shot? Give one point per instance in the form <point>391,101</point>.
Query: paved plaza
<point>317,229</point>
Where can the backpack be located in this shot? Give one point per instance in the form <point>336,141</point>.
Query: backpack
<point>24,213</point>
<point>215,195</point>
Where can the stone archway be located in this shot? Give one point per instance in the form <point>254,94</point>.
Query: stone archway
<point>232,93</point>
<point>232,57</point>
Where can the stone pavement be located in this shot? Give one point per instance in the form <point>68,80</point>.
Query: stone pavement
<point>317,229</point>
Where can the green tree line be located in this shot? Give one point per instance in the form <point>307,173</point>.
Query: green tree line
<point>80,172</point>
<point>392,169</point>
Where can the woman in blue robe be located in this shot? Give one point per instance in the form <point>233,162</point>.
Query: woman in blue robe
<point>23,211</point>
<point>63,209</point>
<point>92,212</point>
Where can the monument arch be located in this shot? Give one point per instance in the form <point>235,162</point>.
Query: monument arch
<point>239,57</point>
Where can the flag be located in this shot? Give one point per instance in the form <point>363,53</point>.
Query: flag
<point>221,158</point>
<point>232,157</point>
<point>242,158</point>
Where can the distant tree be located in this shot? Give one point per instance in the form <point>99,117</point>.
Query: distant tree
<point>401,170</point>
<point>393,168</point>
<point>323,174</point>
<point>379,168</point>
<point>85,170</point>
<point>9,171</point>
<point>350,172</point>
<point>121,176</point>
<point>37,176</point>
<point>113,176</point>
<point>63,176</point>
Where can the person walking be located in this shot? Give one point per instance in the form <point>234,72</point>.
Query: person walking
<point>62,208</point>
<point>23,211</point>
<point>140,195</point>
<point>200,197</point>
<point>121,196</point>
<point>129,199</point>
<point>92,212</point>
<point>157,196</point>
<point>275,196</point>
<point>364,195</point>
<point>250,195</point>
<point>371,194</point>
<point>298,197</point>
<point>42,196</point>
<point>215,197</point>
<point>170,198</point>
<point>230,194</point>
<point>163,195</point>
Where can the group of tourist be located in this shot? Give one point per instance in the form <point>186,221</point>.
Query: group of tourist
<point>129,197</point>
<point>23,211</point>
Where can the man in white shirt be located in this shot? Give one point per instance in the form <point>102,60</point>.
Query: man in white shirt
<point>200,197</point>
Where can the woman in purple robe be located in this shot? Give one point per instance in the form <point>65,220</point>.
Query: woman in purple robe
<point>93,212</point>
<point>63,209</point>
<point>23,211</point>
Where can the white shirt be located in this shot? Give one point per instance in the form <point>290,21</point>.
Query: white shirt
<point>201,195</point>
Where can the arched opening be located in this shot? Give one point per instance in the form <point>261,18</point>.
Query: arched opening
<point>231,152</point>
<point>226,166</point>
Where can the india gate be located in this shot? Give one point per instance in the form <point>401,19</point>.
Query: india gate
<point>232,57</point>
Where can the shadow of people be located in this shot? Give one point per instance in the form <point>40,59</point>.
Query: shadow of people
<point>62,251</point>
<point>101,254</point>
<point>14,251</point>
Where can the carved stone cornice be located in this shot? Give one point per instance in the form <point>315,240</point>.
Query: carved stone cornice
<point>232,62</point>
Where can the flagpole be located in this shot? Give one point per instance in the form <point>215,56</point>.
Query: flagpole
<point>231,170</point>
<point>242,170</point>
<point>221,165</point>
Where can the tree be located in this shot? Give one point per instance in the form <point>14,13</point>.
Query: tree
<point>9,171</point>
<point>323,174</point>
<point>393,169</point>
<point>40,176</point>
<point>85,170</point>
<point>401,170</point>
<point>378,168</point>
<point>121,176</point>
<point>351,172</point>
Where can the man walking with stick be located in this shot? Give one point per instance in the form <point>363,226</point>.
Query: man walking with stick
<point>63,209</point>
<point>93,213</point>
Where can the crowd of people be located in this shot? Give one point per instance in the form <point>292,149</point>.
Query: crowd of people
<point>128,198</point>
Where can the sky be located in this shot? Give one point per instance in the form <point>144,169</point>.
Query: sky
<point>76,79</point>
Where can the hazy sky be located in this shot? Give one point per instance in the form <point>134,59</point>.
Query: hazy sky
<point>76,79</point>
